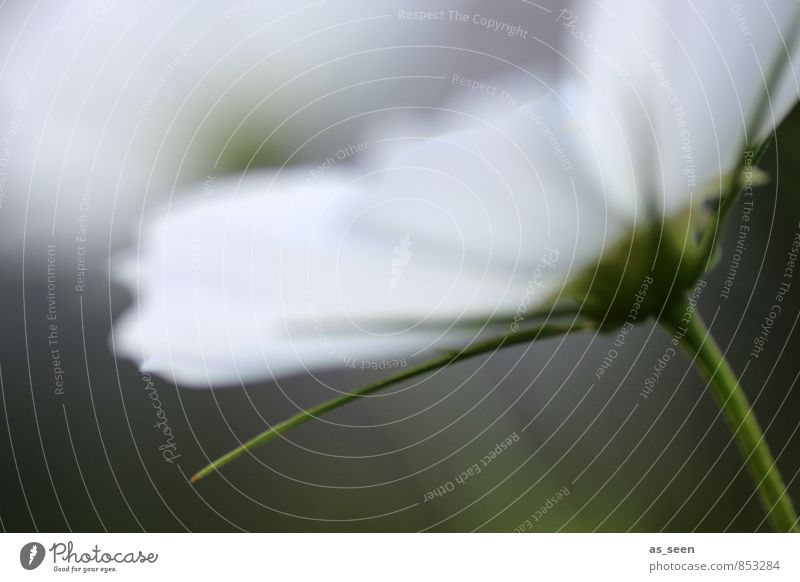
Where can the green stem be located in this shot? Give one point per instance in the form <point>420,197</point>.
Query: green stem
<point>741,419</point>
<point>711,236</point>
<point>490,345</point>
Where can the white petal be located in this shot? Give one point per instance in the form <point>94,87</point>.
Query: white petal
<point>298,271</point>
<point>672,89</point>
<point>258,284</point>
<point>512,179</point>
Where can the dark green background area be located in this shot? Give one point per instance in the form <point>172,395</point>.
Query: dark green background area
<point>89,460</point>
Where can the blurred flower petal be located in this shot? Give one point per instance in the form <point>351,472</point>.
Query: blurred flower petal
<point>669,91</point>
<point>362,265</point>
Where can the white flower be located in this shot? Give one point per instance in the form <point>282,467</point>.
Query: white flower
<point>281,271</point>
